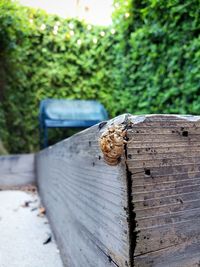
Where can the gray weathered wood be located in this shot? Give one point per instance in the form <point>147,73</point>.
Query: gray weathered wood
<point>17,170</point>
<point>143,212</point>
<point>163,156</point>
<point>86,201</point>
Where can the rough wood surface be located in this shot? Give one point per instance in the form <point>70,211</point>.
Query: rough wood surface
<point>163,156</point>
<point>17,170</point>
<point>144,212</point>
<point>86,201</point>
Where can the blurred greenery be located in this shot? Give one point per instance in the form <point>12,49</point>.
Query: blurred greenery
<point>150,64</point>
<point>44,56</point>
<point>2,149</point>
<point>159,42</point>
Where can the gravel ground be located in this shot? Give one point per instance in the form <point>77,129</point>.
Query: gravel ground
<point>25,235</point>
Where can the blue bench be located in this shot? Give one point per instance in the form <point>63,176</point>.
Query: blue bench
<point>57,113</point>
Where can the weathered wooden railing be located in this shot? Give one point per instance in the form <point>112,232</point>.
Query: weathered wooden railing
<point>126,192</point>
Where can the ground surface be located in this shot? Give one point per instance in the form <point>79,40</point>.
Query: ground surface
<point>23,233</point>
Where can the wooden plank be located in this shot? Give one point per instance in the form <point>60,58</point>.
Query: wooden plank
<point>186,255</point>
<point>143,212</point>
<point>17,170</point>
<point>86,201</point>
<point>163,157</point>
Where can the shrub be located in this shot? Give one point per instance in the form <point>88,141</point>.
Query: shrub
<point>51,58</point>
<point>161,63</point>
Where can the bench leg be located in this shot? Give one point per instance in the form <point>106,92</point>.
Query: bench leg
<point>45,143</point>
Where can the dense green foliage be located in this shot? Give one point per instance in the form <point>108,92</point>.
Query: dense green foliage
<point>150,65</point>
<point>161,56</point>
<point>50,58</point>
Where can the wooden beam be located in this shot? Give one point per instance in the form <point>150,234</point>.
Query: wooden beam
<point>163,157</point>
<point>17,170</point>
<point>136,202</point>
<point>86,201</point>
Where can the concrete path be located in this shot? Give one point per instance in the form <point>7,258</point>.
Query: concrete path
<point>23,233</point>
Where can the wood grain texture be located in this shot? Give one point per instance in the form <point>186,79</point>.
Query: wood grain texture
<point>86,201</point>
<point>144,212</point>
<point>17,170</point>
<point>163,156</point>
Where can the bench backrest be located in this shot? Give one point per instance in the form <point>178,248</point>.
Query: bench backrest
<point>72,110</point>
<point>65,113</point>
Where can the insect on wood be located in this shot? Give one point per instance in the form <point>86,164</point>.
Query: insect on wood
<point>112,143</point>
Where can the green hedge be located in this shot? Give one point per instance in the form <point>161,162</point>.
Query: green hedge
<point>161,56</point>
<point>150,65</point>
<point>73,62</point>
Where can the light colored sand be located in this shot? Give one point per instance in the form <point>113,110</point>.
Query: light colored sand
<point>22,233</point>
